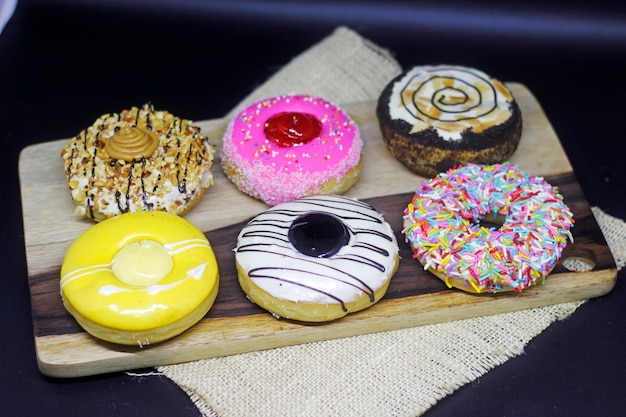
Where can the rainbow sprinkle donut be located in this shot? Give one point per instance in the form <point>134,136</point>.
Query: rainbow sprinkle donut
<point>442,226</point>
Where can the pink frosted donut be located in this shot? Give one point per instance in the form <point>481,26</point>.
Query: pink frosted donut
<point>292,146</point>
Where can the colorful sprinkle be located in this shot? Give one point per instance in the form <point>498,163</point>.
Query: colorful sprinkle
<point>442,225</point>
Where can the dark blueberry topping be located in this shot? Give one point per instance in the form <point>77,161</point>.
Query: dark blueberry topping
<point>318,234</point>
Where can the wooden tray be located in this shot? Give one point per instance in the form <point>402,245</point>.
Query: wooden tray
<point>234,325</point>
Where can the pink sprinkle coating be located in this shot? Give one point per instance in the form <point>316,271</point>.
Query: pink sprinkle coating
<point>442,226</point>
<point>276,175</point>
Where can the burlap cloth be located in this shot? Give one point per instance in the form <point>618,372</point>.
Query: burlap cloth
<point>395,373</point>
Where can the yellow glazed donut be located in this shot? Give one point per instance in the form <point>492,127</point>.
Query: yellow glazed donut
<point>139,278</point>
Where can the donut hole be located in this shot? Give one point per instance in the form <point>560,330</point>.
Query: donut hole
<point>142,263</point>
<point>490,220</point>
<point>576,259</point>
<point>318,234</point>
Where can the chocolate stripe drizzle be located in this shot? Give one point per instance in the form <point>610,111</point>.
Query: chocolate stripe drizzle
<point>266,235</point>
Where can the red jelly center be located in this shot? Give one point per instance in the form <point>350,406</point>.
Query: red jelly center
<point>289,129</point>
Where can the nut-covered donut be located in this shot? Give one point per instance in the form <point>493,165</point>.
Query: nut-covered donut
<point>442,225</point>
<point>138,160</point>
<point>139,278</point>
<point>317,258</point>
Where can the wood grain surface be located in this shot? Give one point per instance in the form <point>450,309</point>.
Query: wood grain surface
<point>234,325</point>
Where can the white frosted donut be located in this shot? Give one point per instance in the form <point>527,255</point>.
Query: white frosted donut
<point>317,258</point>
<point>442,225</point>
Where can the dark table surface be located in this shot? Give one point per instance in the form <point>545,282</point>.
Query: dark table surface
<point>65,62</point>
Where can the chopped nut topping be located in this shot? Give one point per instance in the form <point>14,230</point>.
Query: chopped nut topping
<point>174,174</point>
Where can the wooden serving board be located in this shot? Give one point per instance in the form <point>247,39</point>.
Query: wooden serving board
<point>234,325</point>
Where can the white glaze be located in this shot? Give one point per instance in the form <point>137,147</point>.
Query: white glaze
<point>183,245</point>
<point>265,254</point>
<point>193,273</point>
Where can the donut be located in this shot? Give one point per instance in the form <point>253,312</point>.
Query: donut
<point>137,160</point>
<point>153,276</point>
<point>292,146</point>
<point>433,118</point>
<point>316,259</point>
<point>526,226</point>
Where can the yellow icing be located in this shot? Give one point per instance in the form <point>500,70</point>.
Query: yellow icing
<point>89,286</point>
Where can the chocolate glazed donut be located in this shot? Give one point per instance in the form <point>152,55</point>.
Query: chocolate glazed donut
<point>433,118</point>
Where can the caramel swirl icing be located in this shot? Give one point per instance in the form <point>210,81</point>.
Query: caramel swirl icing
<point>131,143</point>
<point>450,100</point>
